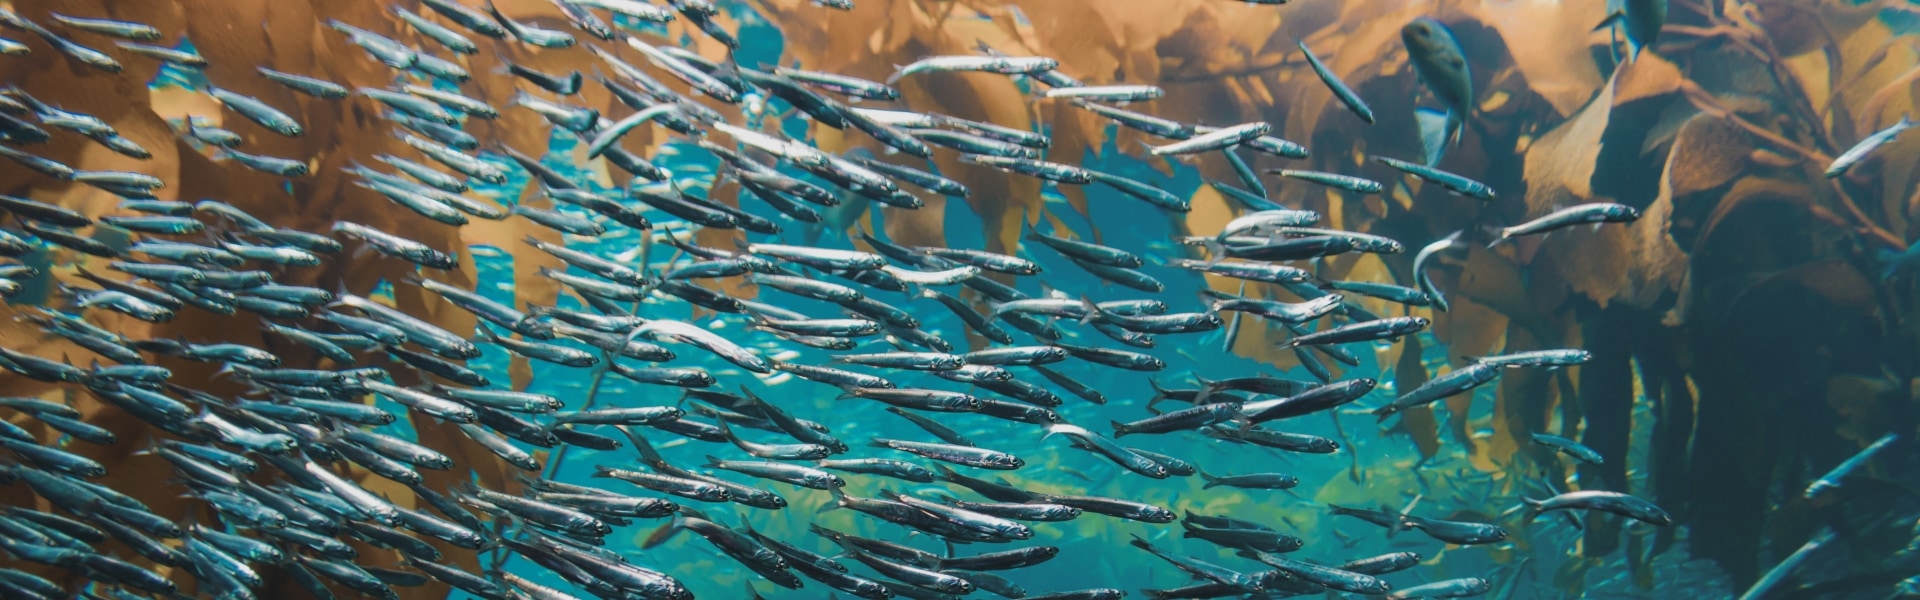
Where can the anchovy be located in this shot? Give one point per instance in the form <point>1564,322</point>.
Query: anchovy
<point>386,50</point>
<point>1096,443</point>
<point>1454,184</point>
<point>964,455</point>
<point>1345,94</point>
<point>1345,182</point>
<point>1595,213</point>
<point>1832,479</point>
<point>1107,93</point>
<point>1214,140</point>
<point>1140,122</point>
<point>1551,359</point>
<point>1457,381</point>
<point>537,36</point>
<point>1004,65</point>
<point>1605,501</point>
<point>1455,532</point>
<point>841,84</point>
<point>182,58</point>
<point>1051,171</point>
<point>1332,578</point>
<point>1199,569</point>
<point>1380,329</point>
<point>1448,588</point>
<point>1294,442</point>
<point>1860,151</point>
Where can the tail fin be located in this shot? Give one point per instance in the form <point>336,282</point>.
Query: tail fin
<point>1211,481</point>
<point>1438,130</point>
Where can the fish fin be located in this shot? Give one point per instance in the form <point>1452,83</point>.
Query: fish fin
<point>899,71</point>
<point>839,501</point>
<point>1438,129</point>
<point>661,535</point>
<point>1613,18</point>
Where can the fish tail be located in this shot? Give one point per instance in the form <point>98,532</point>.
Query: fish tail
<point>1211,481</point>
<point>1438,129</point>
<point>899,71</point>
<point>839,502</point>
<point>1119,429</point>
<point>1381,414</point>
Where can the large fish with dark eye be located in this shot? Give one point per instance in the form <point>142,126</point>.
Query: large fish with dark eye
<point>1441,64</point>
<point>1595,213</point>
<point>1364,331</point>
<point>1093,442</point>
<point>1320,398</point>
<point>963,455</point>
<point>1613,502</point>
<point>1457,381</point>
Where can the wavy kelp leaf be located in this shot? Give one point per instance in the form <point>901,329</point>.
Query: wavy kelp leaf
<point>1548,43</point>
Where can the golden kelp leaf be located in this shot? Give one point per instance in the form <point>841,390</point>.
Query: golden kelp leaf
<point>1648,77</point>
<point>1548,44</point>
<point>1706,154</point>
<point>1559,167</point>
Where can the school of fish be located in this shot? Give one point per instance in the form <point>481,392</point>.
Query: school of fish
<point>269,463</point>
